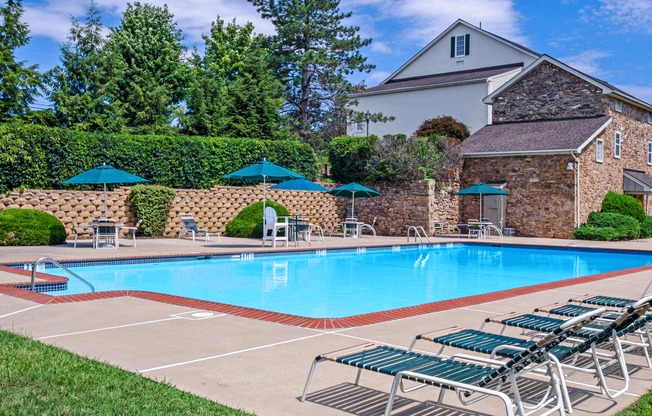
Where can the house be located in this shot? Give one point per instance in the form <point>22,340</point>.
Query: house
<point>449,77</point>
<point>558,141</point>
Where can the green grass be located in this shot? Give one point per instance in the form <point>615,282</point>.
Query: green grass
<point>39,379</point>
<point>642,407</point>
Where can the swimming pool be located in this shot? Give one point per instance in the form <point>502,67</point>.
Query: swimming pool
<point>343,283</point>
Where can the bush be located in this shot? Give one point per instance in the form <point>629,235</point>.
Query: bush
<point>249,222</point>
<point>42,157</point>
<point>591,232</point>
<point>646,227</point>
<point>28,227</point>
<point>151,203</point>
<point>623,204</point>
<point>445,126</point>
<point>626,227</point>
<point>349,157</point>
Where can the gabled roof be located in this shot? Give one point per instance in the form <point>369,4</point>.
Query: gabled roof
<point>636,182</point>
<point>447,78</point>
<point>534,137</point>
<point>606,87</point>
<point>445,33</point>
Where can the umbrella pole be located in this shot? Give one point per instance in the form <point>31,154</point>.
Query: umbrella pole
<point>264,194</point>
<point>353,205</point>
<point>106,211</point>
<point>299,205</point>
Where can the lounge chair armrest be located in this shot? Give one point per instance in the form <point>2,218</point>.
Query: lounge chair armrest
<point>429,336</point>
<point>477,359</point>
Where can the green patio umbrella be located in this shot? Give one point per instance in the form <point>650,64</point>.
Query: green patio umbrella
<point>263,171</point>
<point>302,184</point>
<point>101,175</point>
<point>352,190</point>
<point>481,189</point>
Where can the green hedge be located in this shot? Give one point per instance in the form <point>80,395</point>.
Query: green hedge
<point>349,157</point>
<point>151,203</point>
<point>646,227</point>
<point>41,157</point>
<point>28,227</point>
<point>608,226</point>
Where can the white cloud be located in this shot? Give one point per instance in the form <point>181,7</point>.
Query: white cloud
<point>587,62</point>
<point>51,18</point>
<point>376,77</point>
<point>628,15</point>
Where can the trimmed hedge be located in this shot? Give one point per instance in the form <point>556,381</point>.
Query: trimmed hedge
<point>42,157</point>
<point>249,221</point>
<point>646,227</point>
<point>623,204</point>
<point>608,226</point>
<point>28,227</point>
<point>151,203</point>
<point>349,157</point>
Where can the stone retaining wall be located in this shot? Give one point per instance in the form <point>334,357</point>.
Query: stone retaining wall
<point>399,207</point>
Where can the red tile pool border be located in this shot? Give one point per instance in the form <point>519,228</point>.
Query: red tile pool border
<point>300,321</point>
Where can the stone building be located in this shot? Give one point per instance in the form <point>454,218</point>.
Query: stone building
<point>558,141</point>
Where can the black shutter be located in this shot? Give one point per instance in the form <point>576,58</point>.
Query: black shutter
<point>467,44</point>
<point>452,46</point>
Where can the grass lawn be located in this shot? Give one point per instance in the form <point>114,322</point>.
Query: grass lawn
<point>39,379</point>
<point>643,407</point>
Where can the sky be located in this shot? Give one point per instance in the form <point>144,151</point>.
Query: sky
<point>608,39</point>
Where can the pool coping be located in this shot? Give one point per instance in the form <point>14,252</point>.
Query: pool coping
<point>353,321</point>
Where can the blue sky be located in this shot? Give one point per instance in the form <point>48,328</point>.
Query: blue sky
<point>608,39</point>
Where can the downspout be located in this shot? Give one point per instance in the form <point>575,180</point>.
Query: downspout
<point>577,190</point>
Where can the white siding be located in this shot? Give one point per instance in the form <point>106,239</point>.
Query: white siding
<point>484,51</point>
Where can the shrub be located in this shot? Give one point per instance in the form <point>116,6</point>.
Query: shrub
<point>151,203</point>
<point>349,157</point>
<point>625,226</point>
<point>591,232</point>
<point>249,222</point>
<point>623,204</point>
<point>445,126</point>
<point>28,227</point>
<point>646,227</point>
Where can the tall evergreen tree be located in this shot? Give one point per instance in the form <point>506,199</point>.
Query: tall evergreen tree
<point>232,91</point>
<point>79,86</point>
<point>150,73</point>
<point>313,52</point>
<point>19,84</point>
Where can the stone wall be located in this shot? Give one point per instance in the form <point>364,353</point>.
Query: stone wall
<point>541,192</point>
<point>399,207</point>
<point>547,93</point>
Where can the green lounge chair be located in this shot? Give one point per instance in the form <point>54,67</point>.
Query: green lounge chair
<point>472,377</point>
<point>564,356</point>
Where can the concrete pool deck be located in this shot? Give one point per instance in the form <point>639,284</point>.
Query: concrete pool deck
<point>261,366</point>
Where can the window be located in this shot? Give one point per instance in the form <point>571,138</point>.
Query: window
<point>460,45</point>
<point>359,127</point>
<point>618,106</point>
<point>649,118</point>
<point>649,153</point>
<point>617,142</point>
<point>599,150</point>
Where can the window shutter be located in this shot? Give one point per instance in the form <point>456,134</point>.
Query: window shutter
<point>467,44</point>
<point>452,46</point>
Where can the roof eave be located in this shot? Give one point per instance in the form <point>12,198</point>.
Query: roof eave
<point>548,152</point>
<point>421,87</point>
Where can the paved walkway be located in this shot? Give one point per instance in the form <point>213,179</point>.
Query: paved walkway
<point>262,366</point>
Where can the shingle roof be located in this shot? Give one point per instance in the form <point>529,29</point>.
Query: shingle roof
<point>639,176</point>
<point>479,74</point>
<point>533,136</point>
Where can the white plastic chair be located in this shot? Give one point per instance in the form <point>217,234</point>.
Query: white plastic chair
<point>133,230</point>
<point>107,231</point>
<point>369,227</point>
<point>189,226</point>
<point>77,230</point>
<point>272,226</point>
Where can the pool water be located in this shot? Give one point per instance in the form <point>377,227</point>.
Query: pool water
<point>343,283</point>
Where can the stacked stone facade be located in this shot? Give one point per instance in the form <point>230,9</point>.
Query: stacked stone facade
<point>546,199</point>
<point>547,93</point>
<point>399,207</point>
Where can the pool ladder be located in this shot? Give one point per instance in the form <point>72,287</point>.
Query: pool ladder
<point>59,265</point>
<point>419,233</point>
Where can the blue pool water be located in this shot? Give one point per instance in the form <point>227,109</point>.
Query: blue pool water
<point>340,284</point>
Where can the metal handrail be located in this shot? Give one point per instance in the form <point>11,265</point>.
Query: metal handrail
<point>59,265</point>
<point>417,233</point>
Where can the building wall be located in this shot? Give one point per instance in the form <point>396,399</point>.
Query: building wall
<point>548,93</point>
<point>399,207</point>
<point>484,52</point>
<point>599,178</point>
<point>541,192</point>
<point>411,108</point>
